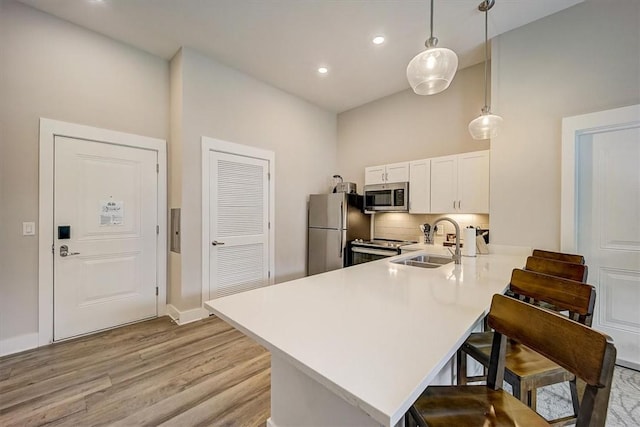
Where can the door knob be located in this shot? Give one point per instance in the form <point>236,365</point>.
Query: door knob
<point>64,251</point>
<point>216,243</point>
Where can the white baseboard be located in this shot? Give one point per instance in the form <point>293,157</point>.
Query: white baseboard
<point>30,341</point>
<point>18,344</point>
<point>187,316</point>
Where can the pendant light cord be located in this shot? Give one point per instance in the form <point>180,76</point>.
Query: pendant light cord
<point>486,55</point>
<point>431,19</point>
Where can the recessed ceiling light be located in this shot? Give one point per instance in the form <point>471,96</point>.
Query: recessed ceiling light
<point>323,70</point>
<point>378,40</point>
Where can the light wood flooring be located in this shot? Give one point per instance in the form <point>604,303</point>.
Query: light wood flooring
<point>150,373</point>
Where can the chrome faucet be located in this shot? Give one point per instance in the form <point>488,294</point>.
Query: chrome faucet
<point>457,255</point>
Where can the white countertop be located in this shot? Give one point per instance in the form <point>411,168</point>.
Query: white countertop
<point>375,334</point>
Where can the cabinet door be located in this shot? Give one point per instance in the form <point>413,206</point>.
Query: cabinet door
<point>374,175</point>
<point>473,182</point>
<point>420,186</point>
<point>397,172</point>
<point>444,184</point>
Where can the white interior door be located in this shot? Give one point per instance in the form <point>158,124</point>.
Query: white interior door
<point>239,248</point>
<point>608,208</point>
<point>107,195</point>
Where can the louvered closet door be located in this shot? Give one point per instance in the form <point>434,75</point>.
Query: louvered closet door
<point>238,224</point>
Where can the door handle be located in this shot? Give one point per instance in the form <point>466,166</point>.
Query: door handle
<point>216,243</point>
<point>64,251</point>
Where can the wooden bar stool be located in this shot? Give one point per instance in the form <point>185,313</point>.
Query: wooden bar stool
<point>560,339</point>
<point>527,370</point>
<point>558,256</point>
<point>567,270</point>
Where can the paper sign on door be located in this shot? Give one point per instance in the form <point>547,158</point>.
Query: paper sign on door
<point>111,212</point>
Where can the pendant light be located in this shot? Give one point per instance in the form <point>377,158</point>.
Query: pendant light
<point>486,125</point>
<point>432,70</point>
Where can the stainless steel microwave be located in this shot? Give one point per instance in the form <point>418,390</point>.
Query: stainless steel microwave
<point>392,197</point>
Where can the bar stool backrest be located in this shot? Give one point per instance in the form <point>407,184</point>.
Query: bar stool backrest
<point>577,298</point>
<point>585,352</point>
<point>558,256</point>
<point>567,270</point>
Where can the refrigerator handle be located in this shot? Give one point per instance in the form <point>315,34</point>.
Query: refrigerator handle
<point>341,227</point>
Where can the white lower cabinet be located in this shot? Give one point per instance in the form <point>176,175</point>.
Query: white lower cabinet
<point>460,183</point>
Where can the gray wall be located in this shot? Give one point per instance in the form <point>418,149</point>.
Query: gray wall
<point>405,126</point>
<point>222,103</point>
<point>50,68</point>
<point>581,60</point>
<point>54,69</point>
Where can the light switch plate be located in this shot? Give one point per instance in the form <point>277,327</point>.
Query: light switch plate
<point>28,228</point>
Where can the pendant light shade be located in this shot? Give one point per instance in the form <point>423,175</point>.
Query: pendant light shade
<point>432,70</point>
<point>487,124</point>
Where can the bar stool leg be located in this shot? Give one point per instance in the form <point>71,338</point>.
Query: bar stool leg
<point>461,367</point>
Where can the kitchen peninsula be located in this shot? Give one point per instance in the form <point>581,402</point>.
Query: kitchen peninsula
<point>357,346</point>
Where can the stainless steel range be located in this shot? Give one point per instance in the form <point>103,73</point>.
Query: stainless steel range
<point>372,250</point>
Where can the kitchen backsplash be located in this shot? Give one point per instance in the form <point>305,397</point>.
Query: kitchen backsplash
<point>403,226</point>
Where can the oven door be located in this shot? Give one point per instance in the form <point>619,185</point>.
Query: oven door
<point>360,255</point>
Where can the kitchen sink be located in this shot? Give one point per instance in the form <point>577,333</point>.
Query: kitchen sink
<point>425,261</point>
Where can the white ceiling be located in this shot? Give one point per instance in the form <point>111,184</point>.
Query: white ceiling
<point>283,42</point>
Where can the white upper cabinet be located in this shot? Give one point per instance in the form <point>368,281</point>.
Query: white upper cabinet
<point>420,186</point>
<point>460,183</point>
<point>473,182</point>
<point>374,175</point>
<point>395,172</point>
<point>444,184</point>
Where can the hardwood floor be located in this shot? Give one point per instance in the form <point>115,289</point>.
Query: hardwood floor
<point>150,373</point>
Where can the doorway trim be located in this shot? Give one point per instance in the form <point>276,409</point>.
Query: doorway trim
<point>211,144</point>
<point>572,129</point>
<point>49,129</point>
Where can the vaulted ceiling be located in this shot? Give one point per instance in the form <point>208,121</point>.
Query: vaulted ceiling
<point>284,42</point>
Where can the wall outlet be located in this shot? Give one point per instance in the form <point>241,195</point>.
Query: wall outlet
<point>28,228</point>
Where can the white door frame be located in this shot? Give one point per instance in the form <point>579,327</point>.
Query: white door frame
<point>211,144</point>
<point>49,129</point>
<point>572,129</point>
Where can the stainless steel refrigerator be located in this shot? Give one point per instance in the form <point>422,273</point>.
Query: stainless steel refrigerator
<point>334,220</point>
